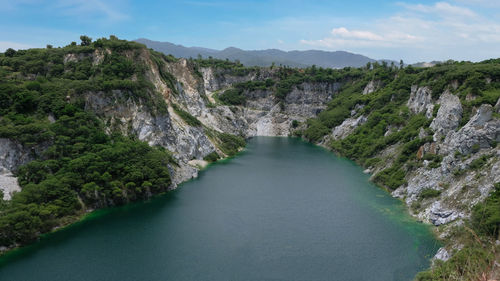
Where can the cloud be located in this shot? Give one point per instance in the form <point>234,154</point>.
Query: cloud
<point>343,37</point>
<point>429,31</point>
<point>106,10</point>
<point>441,9</point>
<point>4,45</point>
<point>356,34</point>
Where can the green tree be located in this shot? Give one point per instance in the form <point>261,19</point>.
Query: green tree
<point>86,41</point>
<point>10,52</point>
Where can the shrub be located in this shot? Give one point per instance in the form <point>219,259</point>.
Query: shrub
<point>429,193</point>
<point>230,144</point>
<point>233,97</point>
<point>391,178</point>
<point>479,162</point>
<point>212,157</point>
<point>485,217</point>
<point>315,130</point>
<point>186,116</point>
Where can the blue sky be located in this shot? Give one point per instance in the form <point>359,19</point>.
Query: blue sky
<point>412,30</point>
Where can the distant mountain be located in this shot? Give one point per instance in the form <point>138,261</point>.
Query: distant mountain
<point>337,59</point>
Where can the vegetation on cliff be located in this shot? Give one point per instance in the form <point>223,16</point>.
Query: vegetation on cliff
<point>82,166</point>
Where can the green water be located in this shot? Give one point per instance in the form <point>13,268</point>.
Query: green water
<point>282,210</point>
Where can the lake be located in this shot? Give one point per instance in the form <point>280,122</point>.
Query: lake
<point>283,209</point>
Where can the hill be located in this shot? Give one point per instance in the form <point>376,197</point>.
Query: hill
<point>337,59</point>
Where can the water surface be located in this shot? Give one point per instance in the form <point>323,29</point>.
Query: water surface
<point>282,210</point>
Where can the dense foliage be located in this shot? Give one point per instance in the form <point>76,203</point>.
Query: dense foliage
<point>78,165</point>
<point>230,144</point>
<point>236,95</point>
<point>234,68</point>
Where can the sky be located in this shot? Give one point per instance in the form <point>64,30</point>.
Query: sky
<point>414,31</point>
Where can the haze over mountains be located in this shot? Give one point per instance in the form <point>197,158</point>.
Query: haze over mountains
<point>337,59</point>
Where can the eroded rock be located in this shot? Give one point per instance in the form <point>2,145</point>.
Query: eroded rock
<point>448,116</point>
<point>420,98</point>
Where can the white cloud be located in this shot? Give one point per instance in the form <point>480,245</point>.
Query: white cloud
<point>356,34</point>
<point>4,45</point>
<point>437,31</point>
<point>442,9</point>
<point>343,37</point>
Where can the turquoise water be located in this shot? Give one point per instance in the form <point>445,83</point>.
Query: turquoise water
<point>282,210</point>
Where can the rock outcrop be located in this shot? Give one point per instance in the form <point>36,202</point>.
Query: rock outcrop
<point>12,155</point>
<point>448,116</point>
<point>347,127</point>
<point>480,132</point>
<point>371,87</point>
<point>420,99</point>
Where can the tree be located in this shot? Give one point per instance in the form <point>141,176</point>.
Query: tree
<point>49,46</point>
<point>401,64</point>
<point>10,52</point>
<point>85,40</point>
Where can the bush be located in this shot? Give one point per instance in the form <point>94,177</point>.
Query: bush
<point>233,97</point>
<point>479,162</point>
<point>469,263</point>
<point>315,130</point>
<point>230,144</point>
<point>485,217</point>
<point>391,178</point>
<point>212,157</point>
<point>429,193</point>
<point>188,118</point>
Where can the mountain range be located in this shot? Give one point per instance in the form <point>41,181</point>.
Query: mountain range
<point>336,59</point>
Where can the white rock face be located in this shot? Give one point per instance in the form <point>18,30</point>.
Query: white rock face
<point>12,155</point>
<point>420,99</point>
<point>439,215</point>
<point>371,87</point>
<point>8,185</point>
<point>481,130</point>
<point>347,127</point>
<point>442,255</point>
<point>448,116</point>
